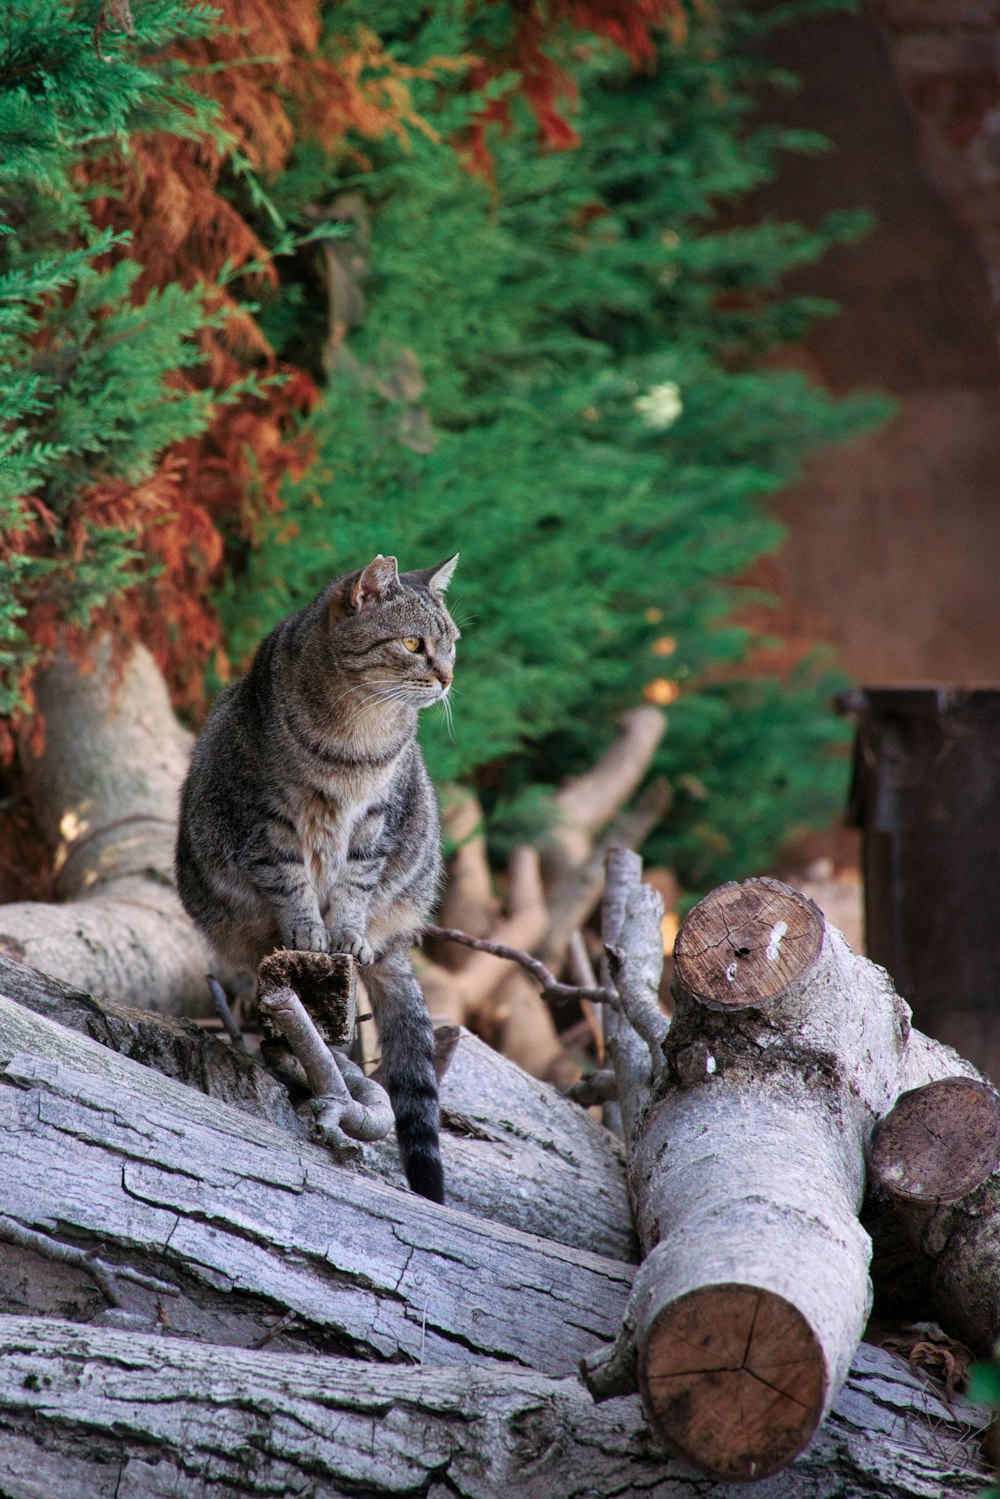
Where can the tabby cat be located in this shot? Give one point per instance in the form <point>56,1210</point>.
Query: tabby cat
<point>308,819</point>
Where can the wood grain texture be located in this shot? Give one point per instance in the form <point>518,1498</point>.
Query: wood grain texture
<point>939,1142</point>
<point>746,944</point>
<point>737,1373</point>
<point>88,1413</point>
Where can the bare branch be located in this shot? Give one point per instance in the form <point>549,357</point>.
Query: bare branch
<point>106,1277</point>
<point>224,1013</point>
<point>348,1106</point>
<point>551,986</point>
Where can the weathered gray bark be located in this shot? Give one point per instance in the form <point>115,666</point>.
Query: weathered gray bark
<point>754,1291</point>
<point>244,1221</point>
<point>105,792</point>
<point>176,1047</point>
<point>90,1413</point>
<point>514,1149</point>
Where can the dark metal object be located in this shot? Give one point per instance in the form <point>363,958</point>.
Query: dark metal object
<point>925,793</point>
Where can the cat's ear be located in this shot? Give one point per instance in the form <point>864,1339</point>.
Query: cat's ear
<point>375,582</point>
<point>437,578</point>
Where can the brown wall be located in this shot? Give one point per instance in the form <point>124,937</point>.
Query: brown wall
<point>894,540</point>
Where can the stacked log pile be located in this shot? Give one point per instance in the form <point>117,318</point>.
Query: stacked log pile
<point>195,1293</point>
<point>209,1283</point>
<point>746,1157</point>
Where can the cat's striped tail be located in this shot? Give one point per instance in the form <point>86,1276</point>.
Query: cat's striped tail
<point>406,1040</point>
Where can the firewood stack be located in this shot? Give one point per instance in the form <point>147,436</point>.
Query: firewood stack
<point>200,1284</point>
<point>746,1134</point>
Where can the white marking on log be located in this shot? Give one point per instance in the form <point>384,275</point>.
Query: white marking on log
<point>774,941</point>
<point>731,972</point>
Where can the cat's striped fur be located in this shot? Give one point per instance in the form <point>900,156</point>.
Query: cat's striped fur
<point>308,819</point>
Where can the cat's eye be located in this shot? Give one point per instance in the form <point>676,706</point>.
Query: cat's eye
<point>412,642</point>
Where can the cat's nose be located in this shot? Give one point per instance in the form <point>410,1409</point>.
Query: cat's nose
<point>443,675</point>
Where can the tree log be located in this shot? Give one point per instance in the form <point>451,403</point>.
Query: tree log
<point>104,791</point>
<point>99,1414</point>
<point>468,901</point>
<point>514,1149</point>
<point>175,1047</point>
<point>754,1293</point>
<point>937,1156</point>
<point>242,1220</point>
<point>587,803</point>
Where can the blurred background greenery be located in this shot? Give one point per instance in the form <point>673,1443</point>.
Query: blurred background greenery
<point>500,303</point>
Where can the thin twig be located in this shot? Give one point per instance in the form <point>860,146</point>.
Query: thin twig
<point>225,1014</point>
<point>582,973</point>
<point>275,1328</point>
<point>105,1275</point>
<point>551,986</point>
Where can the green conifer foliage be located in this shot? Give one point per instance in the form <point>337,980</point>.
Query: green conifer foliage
<point>556,374</point>
<point>87,395</point>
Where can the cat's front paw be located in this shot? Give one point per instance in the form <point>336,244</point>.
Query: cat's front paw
<point>306,936</point>
<point>348,939</point>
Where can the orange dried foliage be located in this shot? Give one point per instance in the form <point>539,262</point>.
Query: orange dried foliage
<point>546,84</point>
<point>280,79</point>
<point>183,230</point>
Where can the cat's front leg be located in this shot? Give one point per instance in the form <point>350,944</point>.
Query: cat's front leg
<point>347,938</point>
<point>280,877</point>
<point>347,916</point>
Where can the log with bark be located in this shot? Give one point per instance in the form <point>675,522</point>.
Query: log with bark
<point>271,1249</point>
<point>94,1413</point>
<point>746,1128</point>
<point>242,1220</point>
<point>514,1150</point>
<point>937,1157</point>
<point>105,791</point>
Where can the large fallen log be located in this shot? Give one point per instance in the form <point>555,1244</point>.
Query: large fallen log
<point>104,791</point>
<point>746,1133</point>
<point>93,1413</point>
<point>244,1222</point>
<point>514,1149</point>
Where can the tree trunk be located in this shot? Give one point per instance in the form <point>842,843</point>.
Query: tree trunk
<point>105,791</point>
<point>754,1291</point>
<point>243,1220</point>
<point>514,1149</point>
<point>91,1413</point>
<point>936,1157</point>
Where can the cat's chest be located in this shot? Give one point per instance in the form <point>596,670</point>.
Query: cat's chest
<point>324,819</point>
<point>323,826</point>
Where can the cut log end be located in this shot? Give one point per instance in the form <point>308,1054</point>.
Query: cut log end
<point>939,1143</point>
<point>744,945</point>
<point>734,1378</point>
<point>326,983</point>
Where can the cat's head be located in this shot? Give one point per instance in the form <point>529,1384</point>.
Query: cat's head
<point>392,631</point>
